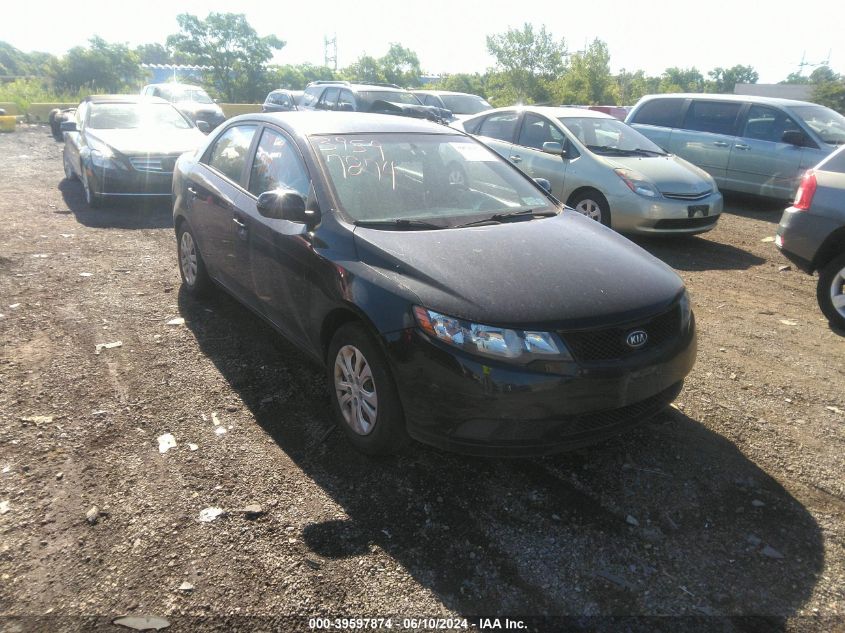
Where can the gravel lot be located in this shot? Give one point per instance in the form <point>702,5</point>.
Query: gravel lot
<point>731,504</point>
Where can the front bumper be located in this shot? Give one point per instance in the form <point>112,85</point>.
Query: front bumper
<point>459,402</point>
<point>631,213</point>
<point>109,181</point>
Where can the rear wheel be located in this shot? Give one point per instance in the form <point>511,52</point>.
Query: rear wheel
<point>830,291</point>
<point>364,399</point>
<point>195,278</point>
<point>592,204</point>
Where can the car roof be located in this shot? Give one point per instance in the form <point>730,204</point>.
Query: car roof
<point>311,123</point>
<point>123,99</point>
<point>448,93</point>
<point>554,112</point>
<point>175,84</point>
<point>354,86</point>
<point>777,101</point>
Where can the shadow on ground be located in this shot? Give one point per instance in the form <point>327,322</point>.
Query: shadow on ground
<point>134,213</point>
<point>668,519</point>
<point>754,207</point>
<point>698,253</point>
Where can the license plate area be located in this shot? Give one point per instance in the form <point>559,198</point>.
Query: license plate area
<point>698,211</point>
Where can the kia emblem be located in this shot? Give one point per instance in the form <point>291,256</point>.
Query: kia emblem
<point>636,339</point>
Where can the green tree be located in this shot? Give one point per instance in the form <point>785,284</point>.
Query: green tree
<point>296,77</point>
<point>631,86</point>
<point>831,94</point>
<point>102,66</point>
<point>474,84</point>
<point>587,80</point>
<point>681,80</point>
<point>399,66</point>
<point>153,53</point>
<point>526,62</point>
<point>231,47</point>
<point>365,69</point>
<point>16,63</point>
<point>724,80</point>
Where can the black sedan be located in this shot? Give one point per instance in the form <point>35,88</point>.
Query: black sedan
<point>279,101</point>
<point>125,145</point>
<point>481,317</point>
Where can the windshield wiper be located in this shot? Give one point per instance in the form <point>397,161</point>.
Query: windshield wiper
<point>398,224</point>
<point>649,152</point>
<point>505,216</point>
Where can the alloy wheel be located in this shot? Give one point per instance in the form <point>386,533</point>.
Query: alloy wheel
<point>590,208</point>
<point>837,292</point>
<point>355,389</point>
<point>188,258</point>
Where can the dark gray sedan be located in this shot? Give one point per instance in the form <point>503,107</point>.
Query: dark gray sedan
<point>812,232</point>
<point>125,145</point>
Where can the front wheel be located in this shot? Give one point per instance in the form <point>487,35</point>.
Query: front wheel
<point>364,399</point>
<point>92,199</point>
<point>69,173</point>
<point>592,204</point>
<point>830,291</point>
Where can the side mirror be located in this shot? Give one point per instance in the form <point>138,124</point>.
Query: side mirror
<point>552,147</point>
<point>544,184</point>
<point>794,137</point>
<point>68,126</point>
<point>283,204</point>
<point>203,127</point>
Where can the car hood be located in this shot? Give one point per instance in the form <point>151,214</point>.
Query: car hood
<point>562,272</point>
<point>144,141</point>
<point>670,174</point>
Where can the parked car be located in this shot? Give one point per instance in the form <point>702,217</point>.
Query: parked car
<point>462,105</point>
<point>279,101</point>
<point>126,145</point>
<point>191,101</point>
<point>478,317</point>
<point>603,168</point>
<point>755,145</point>
<point>56,117</point>
<point>812,233</point>
<point>344,96</point>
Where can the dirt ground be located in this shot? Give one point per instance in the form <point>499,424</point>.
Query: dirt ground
<point>728,506</point>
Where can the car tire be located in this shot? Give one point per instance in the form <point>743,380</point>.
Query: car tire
<point>192,268</point>
<point>92,198</point>
<point>358,374</point>
<point>830,291</point>
<point>69,173</point>
<point>592,204</point>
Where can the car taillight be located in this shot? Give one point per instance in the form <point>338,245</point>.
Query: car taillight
<point>806,190</point>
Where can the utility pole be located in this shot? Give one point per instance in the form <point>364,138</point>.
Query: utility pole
<point>330,51</point>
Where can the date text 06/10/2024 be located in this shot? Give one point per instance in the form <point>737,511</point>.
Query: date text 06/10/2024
<point>416,624</point>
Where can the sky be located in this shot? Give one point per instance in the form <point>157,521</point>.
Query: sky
<point>449,37</point>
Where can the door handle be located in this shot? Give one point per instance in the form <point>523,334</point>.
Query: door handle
<point>193,192</point>
<point>720,144</point>
<point>516,158</point>
<point>241,225</point>
<point>742,146</point>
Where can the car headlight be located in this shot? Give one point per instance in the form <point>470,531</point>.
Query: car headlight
<point>521,346</point>
<point>637,183</point>
<point>686,311</point>
<point>102,156</point>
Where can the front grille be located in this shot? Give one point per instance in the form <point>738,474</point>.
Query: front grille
<point>159,164</point>
<point>686,223</point>
<point>686,196</point>
<point>610,343</point>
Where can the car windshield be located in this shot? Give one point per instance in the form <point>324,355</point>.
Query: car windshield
<point>438,179</point>
<point>610,136</point>
<point>198,95</point>
<point>368,97</point>
<point>465,104</point>
<point>127,116</point>
<point>829,125</point>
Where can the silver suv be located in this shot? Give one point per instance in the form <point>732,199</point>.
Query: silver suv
<point>345,96</point>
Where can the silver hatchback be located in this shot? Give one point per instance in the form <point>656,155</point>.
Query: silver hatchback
<point>603,168</point>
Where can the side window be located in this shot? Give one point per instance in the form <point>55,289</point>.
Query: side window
<point>346,101</point>
<point>660,112</point>
<point>329,99</point>
<point>767,124</point>
<point>431,100</point>
<point>536,130</point>
<point>229,153</point>
<point>277,165</point>
<point>472,126</point>
<point>717,117</point>
<point>310,96</point>
<point>501,126</point>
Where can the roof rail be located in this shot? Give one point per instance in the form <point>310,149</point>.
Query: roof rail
<point>382,84</point>
<point>320,82</point>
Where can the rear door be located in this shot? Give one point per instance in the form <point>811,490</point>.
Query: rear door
<point>760,162</point>
<point>498,131</point>
<point>215,191</point>
<point>329,99</point>
<point>707,134</point>
<point>534,131</point>
<point>657,118</point>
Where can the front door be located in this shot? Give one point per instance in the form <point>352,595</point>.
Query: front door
<point>528,149</point>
